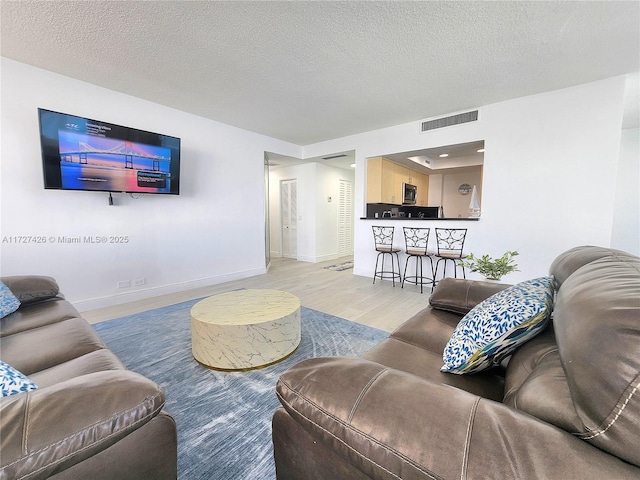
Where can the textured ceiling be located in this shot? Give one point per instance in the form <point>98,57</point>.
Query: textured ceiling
<point>311,71</point>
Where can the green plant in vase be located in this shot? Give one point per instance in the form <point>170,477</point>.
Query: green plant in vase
<point>491,269</point>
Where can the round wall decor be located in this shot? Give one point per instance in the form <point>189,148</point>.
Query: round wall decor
<point>464,189</point>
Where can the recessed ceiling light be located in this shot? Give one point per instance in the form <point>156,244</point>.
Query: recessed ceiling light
<point>443,155</point>
<point>422,159</point>
<point>353,165</point>
<point>480,150</point>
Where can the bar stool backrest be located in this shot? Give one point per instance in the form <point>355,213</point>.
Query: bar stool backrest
<point>450,241</point>
<point>416,240</point>
<point>383,238</point>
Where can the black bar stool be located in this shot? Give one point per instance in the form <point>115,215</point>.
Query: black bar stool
<point>416,241</point>
<point>450,243</point>
<point>383,239</point>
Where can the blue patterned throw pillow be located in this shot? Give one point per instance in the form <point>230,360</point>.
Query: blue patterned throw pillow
<point>494,328</point>
<point>8,301</point>
<point>12,381</point>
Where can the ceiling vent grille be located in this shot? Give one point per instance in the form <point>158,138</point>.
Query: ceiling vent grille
<point>449,121</point>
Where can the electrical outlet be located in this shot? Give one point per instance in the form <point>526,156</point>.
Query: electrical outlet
<point>139,281</point>
<point>124,283</point>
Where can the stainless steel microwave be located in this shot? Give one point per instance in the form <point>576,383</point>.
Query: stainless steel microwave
<point>409,194</point>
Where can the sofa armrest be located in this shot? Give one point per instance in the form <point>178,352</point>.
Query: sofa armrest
<point>391,424</point>
<point>32,288</point>
<point>458,295</point>
<point>50,429</point>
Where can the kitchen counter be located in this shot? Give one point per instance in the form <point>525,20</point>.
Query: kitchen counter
<point>421,219</point>
<point>385,211</point>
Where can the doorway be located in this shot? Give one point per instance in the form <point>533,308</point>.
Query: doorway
<point>289,216</point>
<point>267,220</point>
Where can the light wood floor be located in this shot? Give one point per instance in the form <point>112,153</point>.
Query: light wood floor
<point>342,294</point>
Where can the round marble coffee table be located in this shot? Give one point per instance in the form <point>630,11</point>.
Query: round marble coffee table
<point>245,329</point>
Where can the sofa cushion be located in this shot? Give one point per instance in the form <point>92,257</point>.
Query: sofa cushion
<point>97,361</point>
<point>430,329</point>
<point>493,329</point>
<point>459,296</point>
<point>58,426</point>
<point>8,301</point>
<point>535,383</point>
<point>568,262</point>
<point>425,364</point>
<point>34,315</point>
<point>13,382</point>
<point>32,288</point>
<point>597,325</point>
<point>379,419</point>
<point>54,344</point>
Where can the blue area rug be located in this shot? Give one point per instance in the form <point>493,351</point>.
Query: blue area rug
<point>223,418</point>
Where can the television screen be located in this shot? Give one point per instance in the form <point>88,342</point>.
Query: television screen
<point>84,154</point>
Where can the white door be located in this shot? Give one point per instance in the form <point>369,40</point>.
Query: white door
<point>345,218</point>
<point>289,215</point>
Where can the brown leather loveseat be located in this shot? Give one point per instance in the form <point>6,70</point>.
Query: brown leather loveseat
<point>565,406</point>
<point>90,417</point>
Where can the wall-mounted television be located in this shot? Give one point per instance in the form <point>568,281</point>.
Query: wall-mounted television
<point>84,154</point>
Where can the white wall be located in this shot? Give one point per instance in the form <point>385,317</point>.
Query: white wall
<point>317,218</point>
<point>328,185</point>
<point>454,204</point>
<point>212,232</point>
<point>549,180</point>
<point>443,190</point>
<point>626,219</point>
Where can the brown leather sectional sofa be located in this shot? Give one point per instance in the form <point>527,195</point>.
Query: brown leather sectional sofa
<point>566,406</point>
<point>90,417</point>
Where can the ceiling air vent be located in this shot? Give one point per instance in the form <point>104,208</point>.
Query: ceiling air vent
<point>340,155</point>
<point>449,121</point>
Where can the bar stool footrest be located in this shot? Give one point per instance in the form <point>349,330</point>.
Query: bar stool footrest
<point>388,274</point>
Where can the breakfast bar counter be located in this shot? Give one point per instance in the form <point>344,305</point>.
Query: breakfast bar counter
<point>421,218</point>
<point>387,211</point>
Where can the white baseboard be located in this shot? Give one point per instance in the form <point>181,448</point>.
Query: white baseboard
<point>310,259</point>
<point>121,298</point>
<point>363,272</point>
<point>321,258</point>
